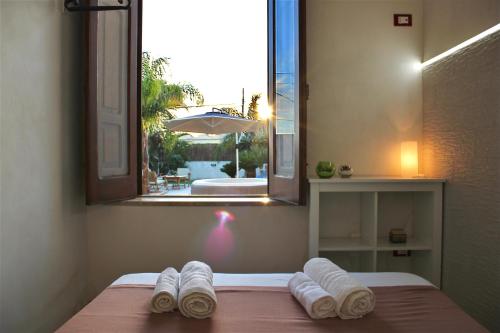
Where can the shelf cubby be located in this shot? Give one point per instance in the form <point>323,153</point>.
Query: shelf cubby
<point>347,221</point>
<point>419,263</point>
<point>410,211</point>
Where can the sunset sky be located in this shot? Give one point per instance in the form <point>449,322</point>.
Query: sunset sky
<point>219,46</point>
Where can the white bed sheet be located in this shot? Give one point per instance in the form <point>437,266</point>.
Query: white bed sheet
<point>281,279</point>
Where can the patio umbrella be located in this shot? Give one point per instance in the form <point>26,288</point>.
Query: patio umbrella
<point>215,123</point>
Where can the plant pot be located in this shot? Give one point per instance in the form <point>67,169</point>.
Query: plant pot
<point>250,173</point>
<point>325,169</point>
<point>345,171</point>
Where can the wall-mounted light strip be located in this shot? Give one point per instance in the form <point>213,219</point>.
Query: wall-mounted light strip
<point>461,46</point>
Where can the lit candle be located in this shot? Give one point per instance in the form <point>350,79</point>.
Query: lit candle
<point>409,159</point>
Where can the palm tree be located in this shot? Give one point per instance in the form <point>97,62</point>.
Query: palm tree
<point>158,98</point>
<point>253,107</point>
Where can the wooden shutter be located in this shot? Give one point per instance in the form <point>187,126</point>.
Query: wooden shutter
<point>112,56</point>
<point>287,95</point>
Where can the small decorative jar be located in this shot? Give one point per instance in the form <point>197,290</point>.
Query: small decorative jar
<point>345,171</point>
<point>325,169</point>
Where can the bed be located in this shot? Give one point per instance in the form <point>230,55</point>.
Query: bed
<point>262,303</point>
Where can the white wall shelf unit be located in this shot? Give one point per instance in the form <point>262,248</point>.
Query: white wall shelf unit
<point>350,220</point>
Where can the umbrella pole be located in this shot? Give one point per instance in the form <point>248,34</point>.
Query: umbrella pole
<point>237,158</point>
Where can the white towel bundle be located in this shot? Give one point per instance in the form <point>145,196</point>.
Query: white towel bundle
<point>318,303</point>
<point>166,291</point>
<point>196,292</point>
<point>353,299</point>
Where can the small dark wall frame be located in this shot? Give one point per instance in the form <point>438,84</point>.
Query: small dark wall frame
<point>402,20</point>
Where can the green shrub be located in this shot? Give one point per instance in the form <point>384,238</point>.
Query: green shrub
<point>229,169</point>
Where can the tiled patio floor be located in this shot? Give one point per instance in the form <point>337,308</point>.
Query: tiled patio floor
<point>172,191</point>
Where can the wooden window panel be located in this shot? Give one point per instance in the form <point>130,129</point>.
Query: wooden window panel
<point>111,116</point>
<point>287,96</point>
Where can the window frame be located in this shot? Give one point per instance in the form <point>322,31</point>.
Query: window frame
<point>122,189</point>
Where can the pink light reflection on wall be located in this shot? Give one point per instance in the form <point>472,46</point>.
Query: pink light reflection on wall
<point>220,242</point>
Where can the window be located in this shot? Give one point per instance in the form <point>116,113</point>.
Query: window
<point>114,135</point>
<point>203,93</point>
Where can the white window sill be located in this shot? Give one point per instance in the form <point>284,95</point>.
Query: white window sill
<point>201,201</point>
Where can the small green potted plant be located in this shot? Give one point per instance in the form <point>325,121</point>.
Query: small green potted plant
<point>325,169</point>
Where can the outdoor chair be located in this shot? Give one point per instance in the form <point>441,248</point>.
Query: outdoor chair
<point>153,181</point>
<point>185,172</point>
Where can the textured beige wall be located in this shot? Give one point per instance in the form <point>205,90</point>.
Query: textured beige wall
<point>462,144</point>
<point>450,22</point>
<point>42,211</point>
<point>365,91</point>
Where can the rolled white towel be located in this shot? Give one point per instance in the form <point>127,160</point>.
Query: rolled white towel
<point>353,299</point>
<point>166,291</point>
<point>196,292</point>
<point>318,303</point>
